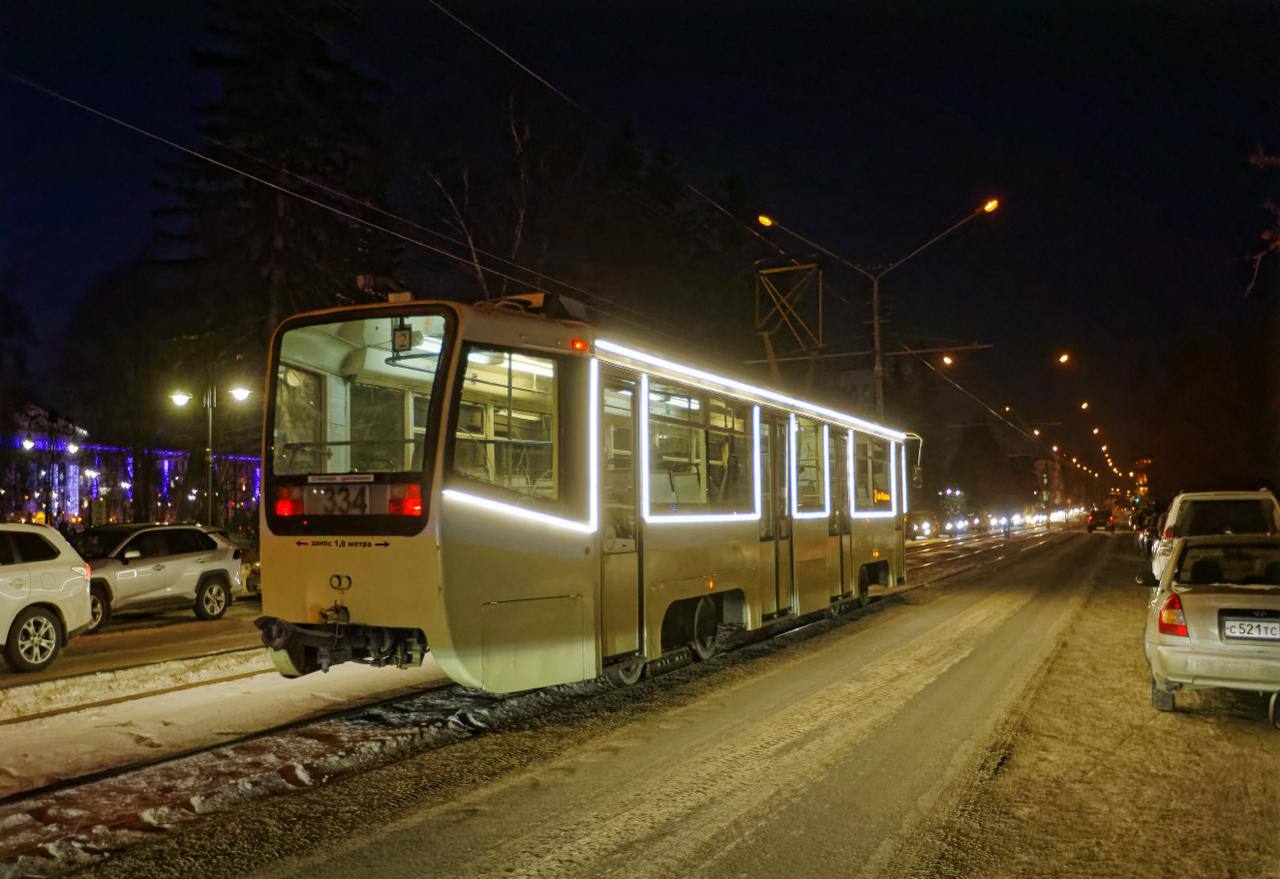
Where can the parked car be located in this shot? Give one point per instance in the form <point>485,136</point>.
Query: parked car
<point>1102,517</point>
<point>923,523</point>
<point>155,565</point>
<point>1214,618</point>
<point>44,595</point>
<point>1193,514</point>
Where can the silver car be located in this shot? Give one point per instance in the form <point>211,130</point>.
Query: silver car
<point>1214,618</point>
<point>156,565</point>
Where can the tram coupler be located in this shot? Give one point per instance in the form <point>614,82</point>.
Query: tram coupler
<point>301,649</point>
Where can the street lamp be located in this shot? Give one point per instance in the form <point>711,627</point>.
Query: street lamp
<point>1084,405</point>
<point>874,276</point>
<point>1064,357</point>
<point>947,360</point>
<point>239,393</point>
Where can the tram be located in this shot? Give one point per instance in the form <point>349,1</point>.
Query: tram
<point>535,504</point>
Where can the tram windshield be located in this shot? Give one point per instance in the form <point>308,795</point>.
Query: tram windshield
<point>354,397</point>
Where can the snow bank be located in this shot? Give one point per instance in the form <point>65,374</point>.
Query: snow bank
<point>87,689</point>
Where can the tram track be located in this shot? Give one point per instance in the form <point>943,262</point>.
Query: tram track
<point>449,710</point>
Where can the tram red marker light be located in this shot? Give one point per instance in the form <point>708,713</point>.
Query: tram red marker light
<point>579,345</point>
<point>405,500</point>
<point>288,501</point>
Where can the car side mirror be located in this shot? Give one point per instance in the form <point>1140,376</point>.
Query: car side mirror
<point>130,555</point>
<point>1146,578</point>
<point>917,476</point>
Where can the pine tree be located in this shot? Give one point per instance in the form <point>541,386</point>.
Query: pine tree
<point>290,110</point>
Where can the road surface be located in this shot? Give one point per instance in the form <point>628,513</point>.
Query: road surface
<point>994,725</point>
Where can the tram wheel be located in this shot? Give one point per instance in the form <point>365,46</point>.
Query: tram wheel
<point>626,673</point>
<point>706,621</point>
<point>1273,710</point>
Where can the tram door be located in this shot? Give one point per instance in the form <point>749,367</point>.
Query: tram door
<point>777,583</point>
<point>621,590</point>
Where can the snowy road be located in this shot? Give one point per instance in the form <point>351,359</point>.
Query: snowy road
<point>833,751</point>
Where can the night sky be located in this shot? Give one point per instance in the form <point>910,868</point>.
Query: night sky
<point>1115,135</point>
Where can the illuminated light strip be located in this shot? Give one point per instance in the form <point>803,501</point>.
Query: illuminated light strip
<point>855,513</point>
<point>664,518</point>
<point>825,512</point>
<point>906,488</point>
<point>593,498</point>
<point>720,383</point>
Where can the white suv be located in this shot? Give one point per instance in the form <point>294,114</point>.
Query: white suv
<point>153,565</point>
<point>44,595</point>
<point>1199,513</point>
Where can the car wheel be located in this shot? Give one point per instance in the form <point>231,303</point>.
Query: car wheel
<point>99,608</point>
<point>1161,699</point>
<point>35,638</point>
<point>212,599</point>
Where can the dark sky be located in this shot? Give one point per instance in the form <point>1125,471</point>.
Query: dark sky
<point>1116,136</point>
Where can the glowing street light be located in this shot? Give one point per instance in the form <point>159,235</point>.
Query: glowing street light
<point>1036,431</point>
<point>72,448</point>
<point>1064,357</point>
<point>947,360</point>
<point>240,394</point>
<point>765,220</point>
<point>991,205</point>
<point>1055,448</point>
<point>1095,431</point>
<point>1084,405</point>
<point>28,444</point>
<point>180,398</point>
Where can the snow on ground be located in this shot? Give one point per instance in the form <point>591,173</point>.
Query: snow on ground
<point>45,751</point>
<point>87,689</point>
<point>47,833</point>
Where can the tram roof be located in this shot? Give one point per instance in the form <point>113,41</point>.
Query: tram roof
<point>614,352</point>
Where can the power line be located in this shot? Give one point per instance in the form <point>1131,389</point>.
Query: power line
<point>595,120</point>
<point>285,190</point>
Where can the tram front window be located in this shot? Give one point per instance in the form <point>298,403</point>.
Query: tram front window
<point>350,412</point>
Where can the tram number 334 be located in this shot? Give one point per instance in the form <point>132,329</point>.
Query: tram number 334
<point>342,500</point>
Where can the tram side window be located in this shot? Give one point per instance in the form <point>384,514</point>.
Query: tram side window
<point>811,466</point>
<point>873,474</point>
<point>507,423</point>
<point>699,452</point>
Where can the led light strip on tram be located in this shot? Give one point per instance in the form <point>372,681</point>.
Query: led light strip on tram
<point>717,384</point>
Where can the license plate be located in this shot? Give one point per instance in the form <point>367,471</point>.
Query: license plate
<point>1258,630</point>
<point>345,500</point>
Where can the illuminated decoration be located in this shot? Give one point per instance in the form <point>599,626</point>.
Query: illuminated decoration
<point>257,483</point>
<point>906,488</point>
<point>28,444</point>
<point>166,464</point>
<point>719,384</point>
<point>661,518</point>
<point>72,448</point>
<point>794,474</point>
<point>128,486</point>
<point>593,488</point>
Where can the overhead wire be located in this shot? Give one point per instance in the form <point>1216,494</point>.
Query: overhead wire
<point>35,86</point>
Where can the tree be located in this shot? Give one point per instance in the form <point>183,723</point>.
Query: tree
<point>293,112</point>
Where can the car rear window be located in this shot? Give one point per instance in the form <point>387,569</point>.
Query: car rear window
<point>33,547</point>
<point>1240,516</point>
<point>189,540</point>
<point>1235,565</point>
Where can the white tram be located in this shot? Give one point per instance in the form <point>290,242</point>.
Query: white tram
<point>536,504</point>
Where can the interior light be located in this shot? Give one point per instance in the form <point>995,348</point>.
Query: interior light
<point>240,394</point>
<point>180,398</point>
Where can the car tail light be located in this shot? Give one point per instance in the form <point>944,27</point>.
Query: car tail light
<point>288,501</point>
<point>85,570</point>
<point>1172,620</point>
<point>405,500</point>
<point>1168,533</point>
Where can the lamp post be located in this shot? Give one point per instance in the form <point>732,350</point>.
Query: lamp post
<point>181,398</point>
<point>874,275</point>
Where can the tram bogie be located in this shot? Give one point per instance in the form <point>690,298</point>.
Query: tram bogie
<point>537,504</point>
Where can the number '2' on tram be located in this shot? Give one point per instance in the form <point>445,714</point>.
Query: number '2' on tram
<point>535,504</point>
